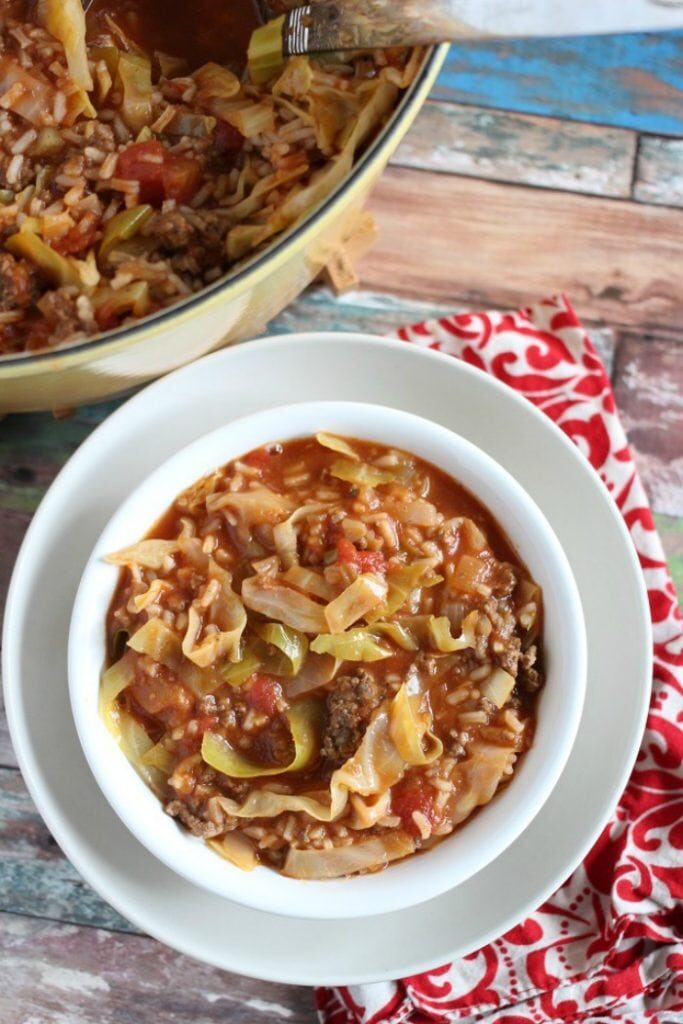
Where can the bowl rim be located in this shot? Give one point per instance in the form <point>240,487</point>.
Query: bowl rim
<point>337,907</point>
<point>257,266</point>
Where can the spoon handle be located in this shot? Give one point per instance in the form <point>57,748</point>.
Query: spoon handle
<point>364,24</point>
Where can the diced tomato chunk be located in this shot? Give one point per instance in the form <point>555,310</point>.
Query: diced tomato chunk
<point>226,138</point>
<point>144,162</point>
<point>373,561</point>
<point>413,795</point>
<point>181,178</point>
<point>264,694</point>
<point>347,554</point>
<point>363,561</point>
<point>160,174</point>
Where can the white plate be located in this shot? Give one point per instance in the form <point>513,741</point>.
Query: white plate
<point>203,396</point>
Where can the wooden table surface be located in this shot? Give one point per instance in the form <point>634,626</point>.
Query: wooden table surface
<point>533,168</point>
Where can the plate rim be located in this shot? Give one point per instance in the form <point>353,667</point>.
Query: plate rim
<point>62,828</point>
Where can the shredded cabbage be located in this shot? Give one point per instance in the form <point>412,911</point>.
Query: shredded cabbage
<point>113,303</point>
<point>469,573</point>
<point>317,671</point>
<point>237,848</point>
<point>59,270</point>
<point>123,227</point>
<point>477,778</point>
<point>366,593</point>
<point>161,644</point>
<point>304,720</point>
<point>250,119</point>
<point>397,633</point>
<point>441,638</point>
<point>291,647</point>
<point>216,88</point>
<point>277,601</point>
<point>146,554</point>
<point>310,581</point>
<point>336,444</point>
<point>135,744</point>
<point>237,673</point>
<point>36,100</point>
<point>265,57</point>
<point>65,20</point>
<point>411,722</point>
<point>416,513</point>
<point>258,506</point>
<point>226,612</point>
<point>135,78</point>
<point>151,595</point>
<point>367,855</point>
<point>159,757</point>
<point>498,687</point>
<point>361,473</point>
<point>114,681</point>
<point>402,582</point>
<point>354,645</point>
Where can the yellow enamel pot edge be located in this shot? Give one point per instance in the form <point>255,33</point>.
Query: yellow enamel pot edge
<point>295,240</point>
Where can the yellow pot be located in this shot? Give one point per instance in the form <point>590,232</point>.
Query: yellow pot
<point>234,308</point>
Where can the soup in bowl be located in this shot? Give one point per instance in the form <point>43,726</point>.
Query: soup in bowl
<point>328,638</point>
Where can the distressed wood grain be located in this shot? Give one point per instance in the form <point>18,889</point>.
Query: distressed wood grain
<point>13,526</point>
<point>383,312</point>
<point>63,974</point>
<point>501,146</point>
<point>483,244</point>
<point>35,877</point>
<point>649,394</point>
<point>629,81</point>
<point>8,759</point>
<point>659,171</point>
<point>671,531</point>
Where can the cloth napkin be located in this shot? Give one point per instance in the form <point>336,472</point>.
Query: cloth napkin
<point>608,946</point>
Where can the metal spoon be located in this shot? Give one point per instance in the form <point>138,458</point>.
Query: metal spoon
<point>327,25</point>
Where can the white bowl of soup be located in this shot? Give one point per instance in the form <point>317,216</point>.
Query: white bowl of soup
<point>328,660</point>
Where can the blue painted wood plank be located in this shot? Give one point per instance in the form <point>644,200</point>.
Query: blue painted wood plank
<point>630,81</point>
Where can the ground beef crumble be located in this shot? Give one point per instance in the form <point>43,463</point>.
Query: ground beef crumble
<point>529,677</point>
<point>173,230</point>
<point>349,708</point>
<point>197,826</point>
<point>19,285</point>
<point>59,309</point>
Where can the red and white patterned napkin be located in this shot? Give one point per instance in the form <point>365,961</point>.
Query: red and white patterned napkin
<point>608,946</point>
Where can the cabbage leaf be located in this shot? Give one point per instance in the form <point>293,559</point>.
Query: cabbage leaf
<point>367,855</point>
<point>304,720</point>
<point>366,593</point>
<point>283,604</point>
<point>353,645</point>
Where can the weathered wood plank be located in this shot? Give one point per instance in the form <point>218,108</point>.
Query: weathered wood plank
<point>649,393</point>
<point>13,526</point>
<point>659,171</point>
<point>35,877</point>
<point>8,758</point>
<point>508,244</point>
<point>383,313</point>
<point>671,531</point>
<point>631,81</point>
<point>62,974</point>
<point>501,146</point>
